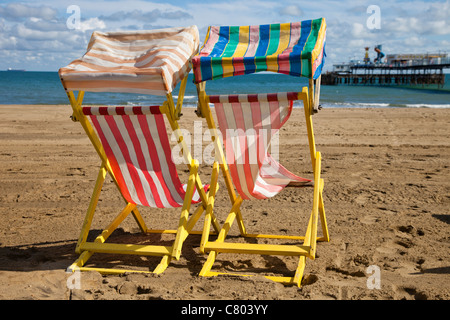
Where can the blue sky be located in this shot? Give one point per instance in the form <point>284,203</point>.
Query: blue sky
<point>34,34</point>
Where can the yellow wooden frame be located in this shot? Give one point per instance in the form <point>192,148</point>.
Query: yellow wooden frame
<point>87,249</point>
<point>310,98</point>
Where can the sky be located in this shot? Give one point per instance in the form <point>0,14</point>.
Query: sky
<point>46,35</point>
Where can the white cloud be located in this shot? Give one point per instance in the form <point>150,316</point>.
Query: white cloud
<point>292,10</point>
<point>17,11</point>
<point>22,32</point>
<point>45,25</point>
<point>439,11</point>
<point>7,42</point>
<point>418,26</point>
<point>236,12</point>
<point>146,16</point>
<point>359,30</point>
<point>92,24</point>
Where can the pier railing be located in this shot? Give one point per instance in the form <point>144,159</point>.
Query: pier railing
<point>423,73</point>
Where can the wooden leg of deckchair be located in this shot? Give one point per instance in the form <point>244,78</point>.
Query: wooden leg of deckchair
<point>85,255</point>
<point>323,218</point>
<point>214,187</point>
<point>209,217</point>
<point>205,233</point>
<point>297,280</point>
<point>81,261</point>
<point>193,220</point>
<point>230,219</point>
<point>115,223</point>
<point>312,237</point>
<point>206,269</point>
<point>91,209</point>
<point>139,220</point>
<point>195,217</point>
<point>308,117</point>
<point>205,272</point>
<point>182,232</point>
<point>162,265</point>
<point>307,242</point>
<point>198,213</point>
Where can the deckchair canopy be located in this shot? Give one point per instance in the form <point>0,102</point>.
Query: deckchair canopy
<point>296,49</point>
<point>146,62</point>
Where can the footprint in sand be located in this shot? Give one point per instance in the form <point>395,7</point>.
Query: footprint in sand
<point>369,219</point>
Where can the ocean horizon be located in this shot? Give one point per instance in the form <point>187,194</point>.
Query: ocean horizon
<point>33,87</point>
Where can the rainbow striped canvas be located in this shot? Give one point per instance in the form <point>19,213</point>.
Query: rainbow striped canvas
<point>295,49</point>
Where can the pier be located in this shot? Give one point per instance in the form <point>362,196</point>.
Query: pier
<point>401,70</point>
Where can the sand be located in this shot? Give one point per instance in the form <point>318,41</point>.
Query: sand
<point>387,200</point>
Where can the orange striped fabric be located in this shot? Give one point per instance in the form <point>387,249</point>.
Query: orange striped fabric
<point>146,62</point>
<point>247,124</point>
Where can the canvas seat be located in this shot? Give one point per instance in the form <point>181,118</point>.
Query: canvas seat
<point>132,141</point>
<point>248,121</point>
<point>247,124</point>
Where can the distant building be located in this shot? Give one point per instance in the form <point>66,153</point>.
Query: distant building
<point>393,69</point>
<point>341,68</point>
<point>416,59</point>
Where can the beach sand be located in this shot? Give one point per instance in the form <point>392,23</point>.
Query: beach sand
<point>387,201</point>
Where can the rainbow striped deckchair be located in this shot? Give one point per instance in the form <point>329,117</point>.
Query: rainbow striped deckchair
<point>295,49</point>
<point>132,142</point>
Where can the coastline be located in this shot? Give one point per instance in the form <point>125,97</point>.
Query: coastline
<point>386,198</point>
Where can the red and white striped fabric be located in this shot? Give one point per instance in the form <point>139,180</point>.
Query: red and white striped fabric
<point>247,124</point>
<point>147,61</point>
<point>137,146</point>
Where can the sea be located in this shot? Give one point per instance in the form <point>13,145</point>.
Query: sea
<point>27,88</point>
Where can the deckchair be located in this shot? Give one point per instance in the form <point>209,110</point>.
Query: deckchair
<point>132,141</point>
<point>247,123</point>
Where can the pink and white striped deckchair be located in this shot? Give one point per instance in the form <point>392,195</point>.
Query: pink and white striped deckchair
<point>247,124</point>
<point>134,146</point>
<point>132,142</point>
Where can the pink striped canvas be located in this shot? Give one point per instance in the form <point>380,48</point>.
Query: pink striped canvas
<point>247,124</point>
<point>137,146</point>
